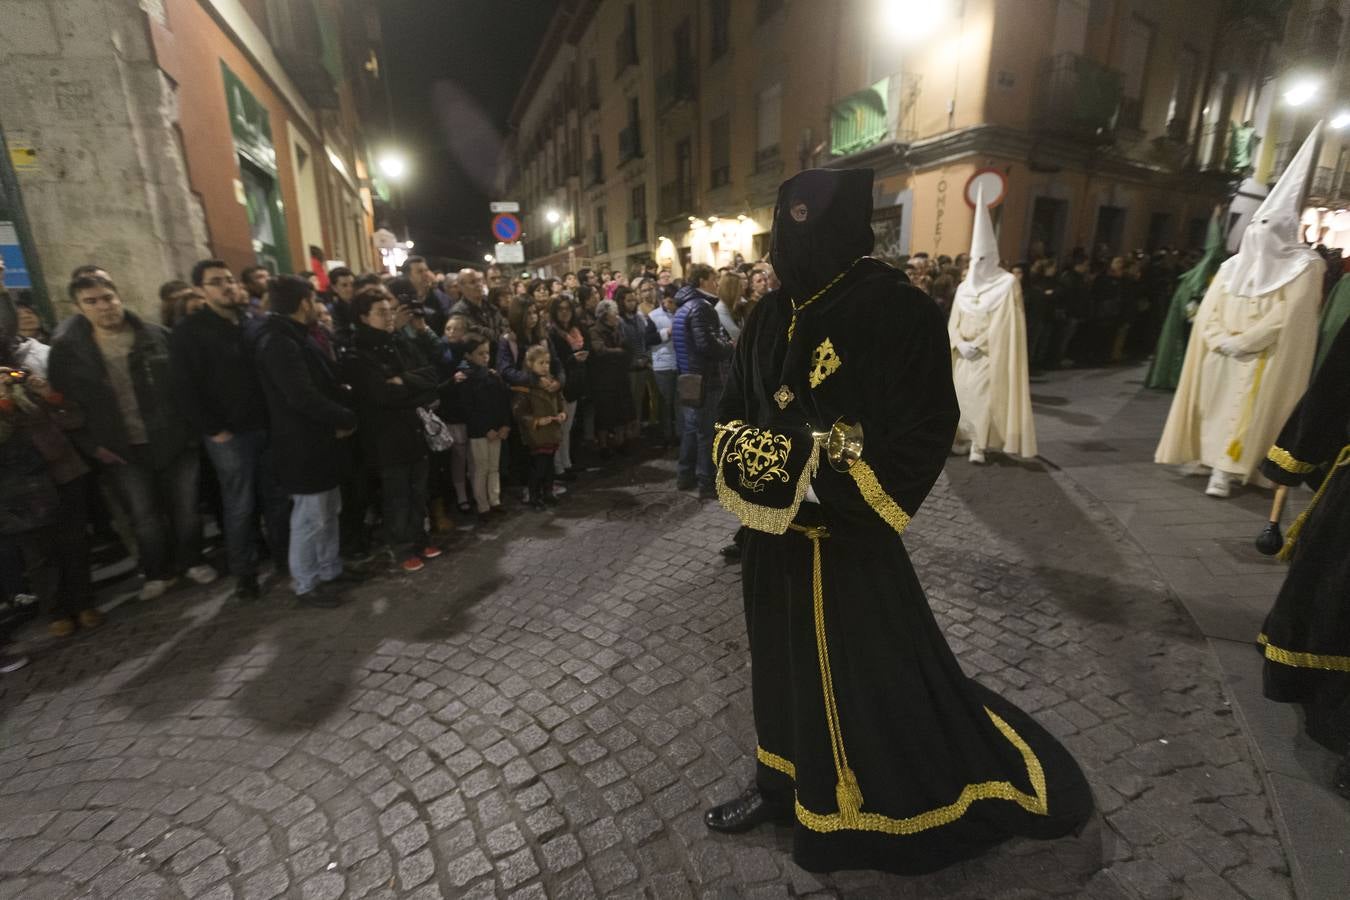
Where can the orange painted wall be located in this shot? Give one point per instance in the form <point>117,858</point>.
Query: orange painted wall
<point>190,50</point>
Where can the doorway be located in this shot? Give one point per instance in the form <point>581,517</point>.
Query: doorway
<point>1049,218</point>
<point>1110,228</point>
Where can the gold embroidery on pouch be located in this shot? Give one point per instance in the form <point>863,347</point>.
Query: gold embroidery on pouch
<point>824,363</point>
<point>760,456</point>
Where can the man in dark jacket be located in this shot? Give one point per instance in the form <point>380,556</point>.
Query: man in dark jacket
<point>701,348</point>
<point>218,393</point>
<point>309,421</point>
<point>115,366</point>
<point>431,298</point>
<point>342,284</point>
<point>481,316</point>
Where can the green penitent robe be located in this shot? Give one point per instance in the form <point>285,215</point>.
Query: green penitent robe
<point>1334,315</point>
<point>1170,354</point>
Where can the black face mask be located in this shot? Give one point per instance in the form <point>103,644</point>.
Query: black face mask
<point>821,225</point>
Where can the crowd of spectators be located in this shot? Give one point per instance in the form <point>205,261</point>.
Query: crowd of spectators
<point>333,428</point>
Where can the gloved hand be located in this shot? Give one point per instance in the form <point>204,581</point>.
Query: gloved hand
<point>1228,347</point>
<point>967,350</point>
<point>811,495</point>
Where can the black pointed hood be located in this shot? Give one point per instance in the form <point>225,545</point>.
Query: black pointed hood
<point>821,224</point>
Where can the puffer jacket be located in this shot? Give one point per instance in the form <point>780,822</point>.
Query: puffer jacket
<point>701,345</point>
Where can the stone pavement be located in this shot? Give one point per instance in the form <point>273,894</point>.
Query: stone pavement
<point>1101,428</point>
<point>546,711</point>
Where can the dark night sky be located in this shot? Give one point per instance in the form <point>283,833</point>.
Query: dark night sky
<point>454,67</point>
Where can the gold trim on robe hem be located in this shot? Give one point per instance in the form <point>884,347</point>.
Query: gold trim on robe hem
<point>1287,461</point>
<point>877,498</point>
<point>933,818</point>
<point>1300,660</point>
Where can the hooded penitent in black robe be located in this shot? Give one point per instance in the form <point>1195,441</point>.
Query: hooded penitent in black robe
<point>890,757</point>
<point>1306,638</point>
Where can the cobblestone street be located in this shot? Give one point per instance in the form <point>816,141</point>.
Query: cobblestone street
<point>547,714</point>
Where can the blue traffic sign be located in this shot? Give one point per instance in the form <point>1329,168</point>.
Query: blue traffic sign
<point>506,228</point>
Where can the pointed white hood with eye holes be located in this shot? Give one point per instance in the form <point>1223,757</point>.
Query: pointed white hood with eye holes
<point>986,285</point>
<point>1271,254</point>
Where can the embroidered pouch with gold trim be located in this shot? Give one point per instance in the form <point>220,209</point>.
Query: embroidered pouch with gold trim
<point>763,474</point>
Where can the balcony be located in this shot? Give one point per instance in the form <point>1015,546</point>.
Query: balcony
<point>636,231</point>
<point>675,86</point>
<point>1078,98</point>
<point>859,120</point>
<point>768,159</point>
<point>595,171</point>
<point>677,199</point>
<point>630,142</point>
<point>1268,16</point>
<point>600,243</point>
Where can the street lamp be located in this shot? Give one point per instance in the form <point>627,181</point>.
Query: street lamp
<point>1341,120</point>
<point>910,21</point>
<point>393,165</point>
<point>1301,92</point>
<point>552,217</point>
<point>488,257</point>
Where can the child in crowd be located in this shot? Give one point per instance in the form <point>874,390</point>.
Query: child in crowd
<point>487,412</point>
<point>539,416</point>
<point>450,467</point>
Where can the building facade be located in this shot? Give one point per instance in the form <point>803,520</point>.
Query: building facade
<point>156,133</point>
<point>663,129</point>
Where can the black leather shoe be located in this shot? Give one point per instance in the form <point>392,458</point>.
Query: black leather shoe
<point>246,590</point>
<point>731,552</point>
<point>743,813</point>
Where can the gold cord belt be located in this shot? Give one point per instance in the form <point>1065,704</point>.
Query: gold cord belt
<point>846,790</point>
<point>1287,552</point>
<point>1248,410</point>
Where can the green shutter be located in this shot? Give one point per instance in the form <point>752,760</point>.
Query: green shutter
<point>859,120</point>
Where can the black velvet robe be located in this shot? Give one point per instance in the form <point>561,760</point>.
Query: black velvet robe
<point>1306,637</point>
<point>889,755</point>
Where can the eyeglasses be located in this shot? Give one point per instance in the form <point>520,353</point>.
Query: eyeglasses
<point>221,282</point>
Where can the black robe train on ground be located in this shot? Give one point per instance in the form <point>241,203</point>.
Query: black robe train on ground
<point>890,757</point>
<point>1306,638</point>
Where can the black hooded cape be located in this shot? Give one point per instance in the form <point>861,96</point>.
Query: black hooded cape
<point>890,757</point>
<point>1306,637</point>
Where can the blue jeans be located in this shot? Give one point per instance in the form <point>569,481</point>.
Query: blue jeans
<point>162,506</point>
<point>314,554</point>
<point>237,463</point>
<point>697,439</point>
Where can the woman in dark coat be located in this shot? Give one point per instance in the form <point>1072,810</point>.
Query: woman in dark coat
<point>571,345</point>
<point>390,382</point>
<point>608,381</point>
<point>1306,638</point>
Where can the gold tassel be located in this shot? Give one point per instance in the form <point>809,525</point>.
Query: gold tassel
<point>849,797</point>
<point>1235,450</point>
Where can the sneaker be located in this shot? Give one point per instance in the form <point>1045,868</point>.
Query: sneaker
<point>247,590</point>
<point>61,628</point>
<point>202,574</point>
<point>12,664</point>
<point>91,618</point>
<point>412,564</point>
<point>431,551</point>
<point>155,588</point>
<point>1187,470</point>
<point>961,448</point>
<point>1219,485</point>
<point>558,490</point>
<point>977,456</point>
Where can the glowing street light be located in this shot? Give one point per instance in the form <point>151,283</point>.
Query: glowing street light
<point>488,257</point>
<point>1301,93</point>
<point>1341,120</point>
<point>553,217</point>
<point>910,21</point>
<point>393,165</point>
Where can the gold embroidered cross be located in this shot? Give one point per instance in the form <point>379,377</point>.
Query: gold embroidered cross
<point>784,397</point>
<point>824,362</point>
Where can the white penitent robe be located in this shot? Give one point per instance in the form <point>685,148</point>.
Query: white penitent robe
<point>1229,409</point>
<point>994,388</point>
